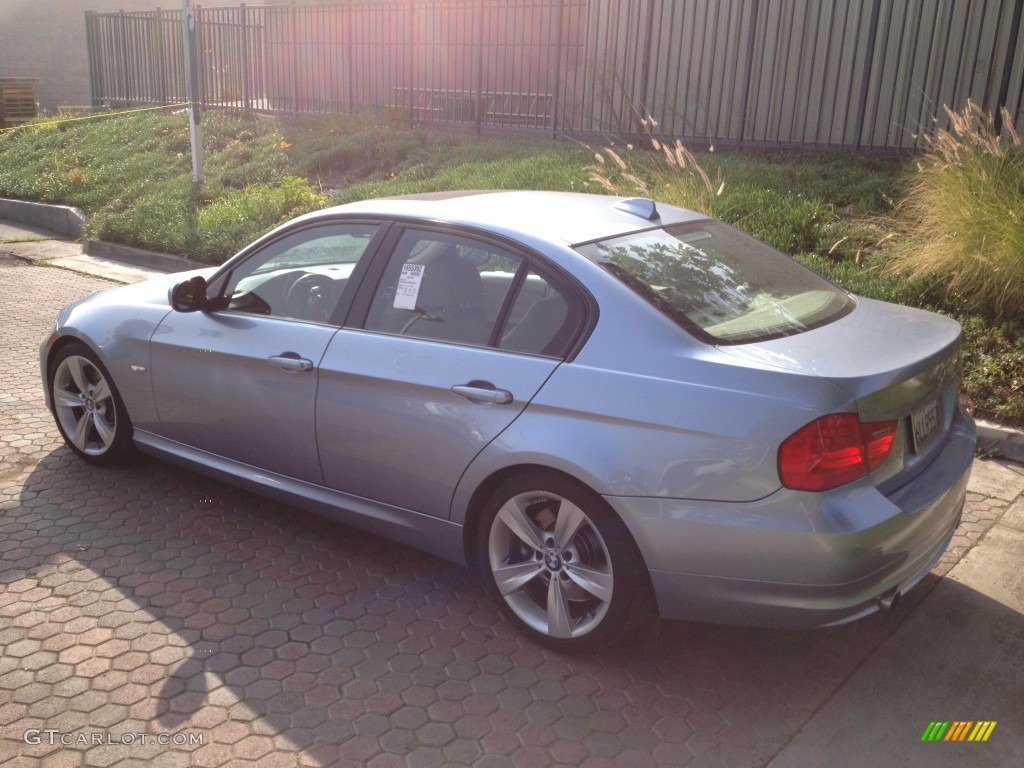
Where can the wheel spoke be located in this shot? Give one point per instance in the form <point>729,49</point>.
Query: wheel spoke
<point>104,430</point>
<point>597,583</point>
<point>559,620</point>
<point>101,391</point>
<point>510,578</point>
<point>570,518</point>
<point>515,518</point>
<point>77,370</point>
<point>62,398</point>
<point>81,436</point>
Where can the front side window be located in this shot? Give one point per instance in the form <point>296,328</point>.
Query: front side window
<point>302,275</point>
<point>725,286</point>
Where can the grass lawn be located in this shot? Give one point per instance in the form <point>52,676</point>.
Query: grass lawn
<point>132,175</point>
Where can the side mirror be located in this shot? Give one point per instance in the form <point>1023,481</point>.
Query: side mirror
<point>189,296</point>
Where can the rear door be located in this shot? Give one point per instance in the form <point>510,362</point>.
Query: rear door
<point>444,350</point>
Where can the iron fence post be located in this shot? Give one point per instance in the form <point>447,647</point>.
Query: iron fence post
<point>246,82</point>
<point>557,89</point>
<point>294,18</point>
<point>755,12</point>
<point>412,61</point>
<point>869,62</point>
<point>479,65</point>
<point>1011,55</point>
<point>122,58</point>
<point>349,61</point>
<point>645,72</point>
<point>90,45</point>
<point>157,41</point>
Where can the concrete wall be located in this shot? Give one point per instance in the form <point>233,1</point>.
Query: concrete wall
<point>46,39</point>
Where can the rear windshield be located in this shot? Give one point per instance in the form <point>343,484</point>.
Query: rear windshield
<point>719,283</point>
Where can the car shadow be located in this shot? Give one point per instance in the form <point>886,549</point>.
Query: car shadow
<point>192,605</point>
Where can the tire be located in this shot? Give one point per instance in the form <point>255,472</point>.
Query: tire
<point>87,407</point>
<point>561,564</point>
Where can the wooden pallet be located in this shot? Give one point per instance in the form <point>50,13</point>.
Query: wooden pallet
<point>17,100</point>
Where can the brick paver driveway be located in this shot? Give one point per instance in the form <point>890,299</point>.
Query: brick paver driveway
<point>151,605</point>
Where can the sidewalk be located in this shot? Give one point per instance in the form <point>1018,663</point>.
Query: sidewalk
<point>132,265</point>
<point>958,657</point>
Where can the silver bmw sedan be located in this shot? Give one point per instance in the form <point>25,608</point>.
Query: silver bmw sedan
<point>614,408</point>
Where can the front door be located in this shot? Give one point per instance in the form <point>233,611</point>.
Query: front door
<point>240,382</point>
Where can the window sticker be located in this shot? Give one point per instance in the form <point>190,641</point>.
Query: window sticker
<point>409,286</point>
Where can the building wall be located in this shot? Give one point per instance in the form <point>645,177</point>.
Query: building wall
<point>46,39</point>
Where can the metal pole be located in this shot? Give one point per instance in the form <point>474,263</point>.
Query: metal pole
<point>195,132</point>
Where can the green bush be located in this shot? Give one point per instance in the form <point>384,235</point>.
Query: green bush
<point>993,361</point>
<point>962,219</point>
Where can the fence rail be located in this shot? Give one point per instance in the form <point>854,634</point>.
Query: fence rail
<point>811,74</point>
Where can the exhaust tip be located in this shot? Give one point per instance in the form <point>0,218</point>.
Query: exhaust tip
<point>887,603</point>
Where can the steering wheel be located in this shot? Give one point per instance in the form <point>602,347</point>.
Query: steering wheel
<point>310,298</point>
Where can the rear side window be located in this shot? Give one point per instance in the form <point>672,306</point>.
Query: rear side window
<point>434,287</point>
<point>723,285</point>
<point>446,287</point>
<point>541,320</point>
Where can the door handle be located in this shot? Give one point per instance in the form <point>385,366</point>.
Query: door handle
<point>290,361</point>
<point>480,392</point>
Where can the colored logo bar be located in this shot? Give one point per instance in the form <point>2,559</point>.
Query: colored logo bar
<point>958,730</point>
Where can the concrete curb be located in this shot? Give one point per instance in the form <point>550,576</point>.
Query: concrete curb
<point>62,219</point>
<point>71,222</point>
<point>165,262</point>
<point>1009,443</point>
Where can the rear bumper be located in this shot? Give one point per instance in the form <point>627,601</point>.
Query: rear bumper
<point>801,560</point>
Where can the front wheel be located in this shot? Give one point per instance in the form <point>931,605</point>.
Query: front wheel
<point>562,564</point>
<point>87,407</point>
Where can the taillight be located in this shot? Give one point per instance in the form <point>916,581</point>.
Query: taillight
<point>834,450</point>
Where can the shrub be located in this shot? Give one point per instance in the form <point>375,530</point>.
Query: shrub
<point>962,218</point>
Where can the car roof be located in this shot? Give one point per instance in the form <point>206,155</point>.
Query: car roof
<point>567,217</point>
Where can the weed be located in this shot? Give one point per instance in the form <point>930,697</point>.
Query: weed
<point>670,172</point>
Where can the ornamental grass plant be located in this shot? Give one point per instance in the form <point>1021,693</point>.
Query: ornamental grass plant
<point>962,217</point>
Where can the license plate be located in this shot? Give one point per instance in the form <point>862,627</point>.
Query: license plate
<point>925,422</point>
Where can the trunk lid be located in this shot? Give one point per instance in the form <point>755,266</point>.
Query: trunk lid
<point>894,362</point>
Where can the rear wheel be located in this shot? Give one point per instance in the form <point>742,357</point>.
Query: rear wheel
<point>87,407</point>
<point>562,564</point>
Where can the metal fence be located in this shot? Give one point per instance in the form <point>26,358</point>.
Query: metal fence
<point>818,74</point>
